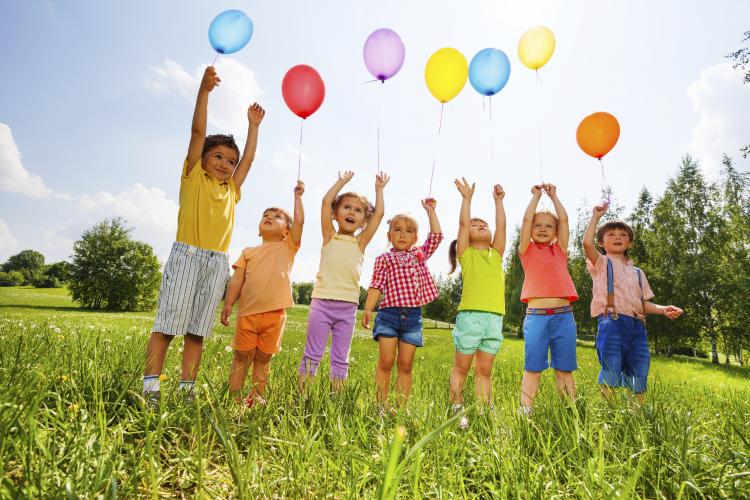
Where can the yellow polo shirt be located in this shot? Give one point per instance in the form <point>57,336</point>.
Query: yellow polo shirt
<point>206,215</point>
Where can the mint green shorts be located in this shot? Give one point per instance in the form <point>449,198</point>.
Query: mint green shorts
<point>478,330</point>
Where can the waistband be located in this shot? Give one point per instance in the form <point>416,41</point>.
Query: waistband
<point>615,316</point>
<point>544,311</point>
<point>193,250</point>
<point>401,310</point>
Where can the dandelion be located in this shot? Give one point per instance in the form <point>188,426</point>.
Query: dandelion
<point>61,337</point>
<point>63,378</point>
<point>127,337</point>
<point>73,407</point>
<point>463,423</point>
<point>179,350</point>
<point>163,377</point>
<point>228,348</point>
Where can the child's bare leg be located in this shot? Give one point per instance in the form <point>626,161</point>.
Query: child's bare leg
<point>529,388</point>
<point>191,356</point>
<point>461,365</point>
<point>404,365</point>
<point>387,348</point>
<point>238,372</point>
<point>566,385</point>
<point>259,377</point>
<point>640,398</point>
<point>483,374</point>
<point>156,352</point>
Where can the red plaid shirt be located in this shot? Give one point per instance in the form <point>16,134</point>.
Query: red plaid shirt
<point>403,277</point>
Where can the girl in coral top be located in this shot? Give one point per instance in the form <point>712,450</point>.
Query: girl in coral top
<point>549,327</point>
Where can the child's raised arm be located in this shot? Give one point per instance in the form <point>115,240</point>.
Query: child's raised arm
<point>498,241</point>
<point>326,209</point>
<point>528,219</point>
<point>368,232</point>
<point>255,114</point>
<point>233,292</point>
<point>299,214</point>
<point>464,219</point>
<point>200,115</point>
<point>589,248</point>
<point>563,226</point>
<point>429,205</point>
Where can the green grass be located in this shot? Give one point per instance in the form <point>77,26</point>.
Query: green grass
<point>71,423</point>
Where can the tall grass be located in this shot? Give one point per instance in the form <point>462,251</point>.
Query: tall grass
<point>72,424</point>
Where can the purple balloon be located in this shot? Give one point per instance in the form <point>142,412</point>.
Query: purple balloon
<point>383,53</point>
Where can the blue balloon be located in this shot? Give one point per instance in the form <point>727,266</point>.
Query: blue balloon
<point>230,31</point>
<point>489,71</point>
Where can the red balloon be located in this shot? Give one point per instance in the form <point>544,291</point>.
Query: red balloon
<point>303,90</point>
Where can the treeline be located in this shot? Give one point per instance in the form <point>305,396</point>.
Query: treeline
<point>28,268</point>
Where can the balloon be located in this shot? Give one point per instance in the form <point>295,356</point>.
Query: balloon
<point>230,31</point>
<point>303,90</point>
<point>597,134</point>
<point>383,53</point>
<point>489,71</point>
<point>536,47</point>
<point>446,74</point>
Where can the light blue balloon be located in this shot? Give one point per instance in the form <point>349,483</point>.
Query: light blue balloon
<point>230,31</point>
<point>489,71</point>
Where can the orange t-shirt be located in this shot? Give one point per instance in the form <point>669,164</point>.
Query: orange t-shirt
<point>546,273</point>
<point>268,284</point>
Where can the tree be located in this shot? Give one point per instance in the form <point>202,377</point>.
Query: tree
<point>11,278</point>
<point>29,263</point>
<point>59,270</point>
<point>111,271</point>
<point>303,292</point>
<point>741,60</point>
<point>445,307</point>
<point>514,276</point>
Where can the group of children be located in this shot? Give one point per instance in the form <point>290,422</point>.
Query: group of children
<point>196,276</point>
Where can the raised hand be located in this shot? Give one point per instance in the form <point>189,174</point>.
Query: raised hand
<point>550,189</point>
<point>210,80</point>
<point>498,192</point>
<point>255,114</point>
<point>600,210</point>
<point>345,176</point>
<point>429,204</point>
<point>466,190</point>
<point>299,189</point>
<point>536,189</point>
<point>381,180</point>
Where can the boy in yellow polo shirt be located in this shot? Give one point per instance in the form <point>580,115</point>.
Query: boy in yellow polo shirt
<point>197,270</point>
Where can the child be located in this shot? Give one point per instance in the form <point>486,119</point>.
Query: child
<point>402,278</point>
<point>196,272</point>
<point>479,324</point>
<point>620,301</point>
<point>336,294</point>
<point>548,290</point>
<point>261,281</point>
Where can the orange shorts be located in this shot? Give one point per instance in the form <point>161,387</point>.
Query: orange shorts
<point>262,331</point>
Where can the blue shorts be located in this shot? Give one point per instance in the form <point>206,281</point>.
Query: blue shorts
<point>622,348</point>
<point>404,323</point>
<point>478,330</point>
<point>553,333</point>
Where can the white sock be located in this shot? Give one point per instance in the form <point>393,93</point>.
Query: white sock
<point>525,410</point>
<point>186,385</point>
<point>151,383</point>
<point>457,407</point>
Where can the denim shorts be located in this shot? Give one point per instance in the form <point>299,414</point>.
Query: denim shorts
<point>622,348</point>
<point>404,323</point>
<point>478,330</point>
<point>554,334</point>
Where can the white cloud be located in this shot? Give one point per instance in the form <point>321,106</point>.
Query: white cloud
<point>8,242</point>
<point>229,102</point>
<point>722,103</point>
<point>14,177</point>
<point>288,157</point>
<point>144,208</point>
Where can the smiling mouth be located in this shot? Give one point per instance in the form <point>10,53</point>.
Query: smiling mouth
<point>350,220</point>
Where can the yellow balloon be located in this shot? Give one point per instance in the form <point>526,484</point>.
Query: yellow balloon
<point>536,47</point>
<point>446,73</point>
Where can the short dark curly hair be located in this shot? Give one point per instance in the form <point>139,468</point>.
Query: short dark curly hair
<point>214,140</point>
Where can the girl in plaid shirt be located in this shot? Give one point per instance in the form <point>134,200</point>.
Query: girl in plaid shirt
<point>401,278</point>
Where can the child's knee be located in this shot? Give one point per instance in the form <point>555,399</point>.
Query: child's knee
<point>385,363</point>
<point>262,358</point>
<point>242,357</point>
<point>193,339</point>
<point>405,368</point>
<point>483,371</point>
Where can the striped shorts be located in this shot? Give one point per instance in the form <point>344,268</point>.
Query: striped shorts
<point>193,283</point>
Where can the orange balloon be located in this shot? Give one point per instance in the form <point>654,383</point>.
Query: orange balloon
<point>597,134</point>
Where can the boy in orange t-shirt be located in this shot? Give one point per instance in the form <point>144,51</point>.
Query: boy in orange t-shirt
<point>263,285</point>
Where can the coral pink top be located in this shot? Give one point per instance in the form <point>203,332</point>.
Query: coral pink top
<point>546,270</point>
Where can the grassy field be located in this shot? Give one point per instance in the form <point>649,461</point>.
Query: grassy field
<point>71,423</point>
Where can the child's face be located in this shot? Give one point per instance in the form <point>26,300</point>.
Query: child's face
<point>543,228</point>
<point>273,225</point>
<point>350,215</point>
<point>479,233</point>
<point>220,162</point>
<point>402,234</point>
<point>616,241</point>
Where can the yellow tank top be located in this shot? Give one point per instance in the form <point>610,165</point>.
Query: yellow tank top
<point>340,268</point>
<point>206,215</point>
<point>483,281</point>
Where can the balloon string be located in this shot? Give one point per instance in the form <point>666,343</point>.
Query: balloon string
<point>606,198</point>
<point>437,144</point>
<point>372,81</point>
<point>380,105</point>
<point>299,160</point>
<point>492,137</point>
<point>539,126</point>
<point>215,58</point>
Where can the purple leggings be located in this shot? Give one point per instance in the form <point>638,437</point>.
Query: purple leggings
<point>336,317</point>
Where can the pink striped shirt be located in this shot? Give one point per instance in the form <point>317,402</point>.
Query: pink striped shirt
<point>627,291</point>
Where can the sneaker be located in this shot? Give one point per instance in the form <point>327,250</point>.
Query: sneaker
<point>525,412</point>
<point>456,408</point>
<point>153,399</point>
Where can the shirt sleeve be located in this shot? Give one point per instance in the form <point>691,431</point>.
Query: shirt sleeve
<point>241,263</point>
<point>379,273</point>
<point>648,294</point>
<point>431,244</point>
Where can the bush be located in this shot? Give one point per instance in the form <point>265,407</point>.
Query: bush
<point>59,270</point>
<point>47,281</point>
<point>110,271</point>
<point>29,263</point>
<point>302,292</point>
<point>12,278</point>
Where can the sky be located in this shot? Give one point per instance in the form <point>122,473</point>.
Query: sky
<point>97,98</point>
